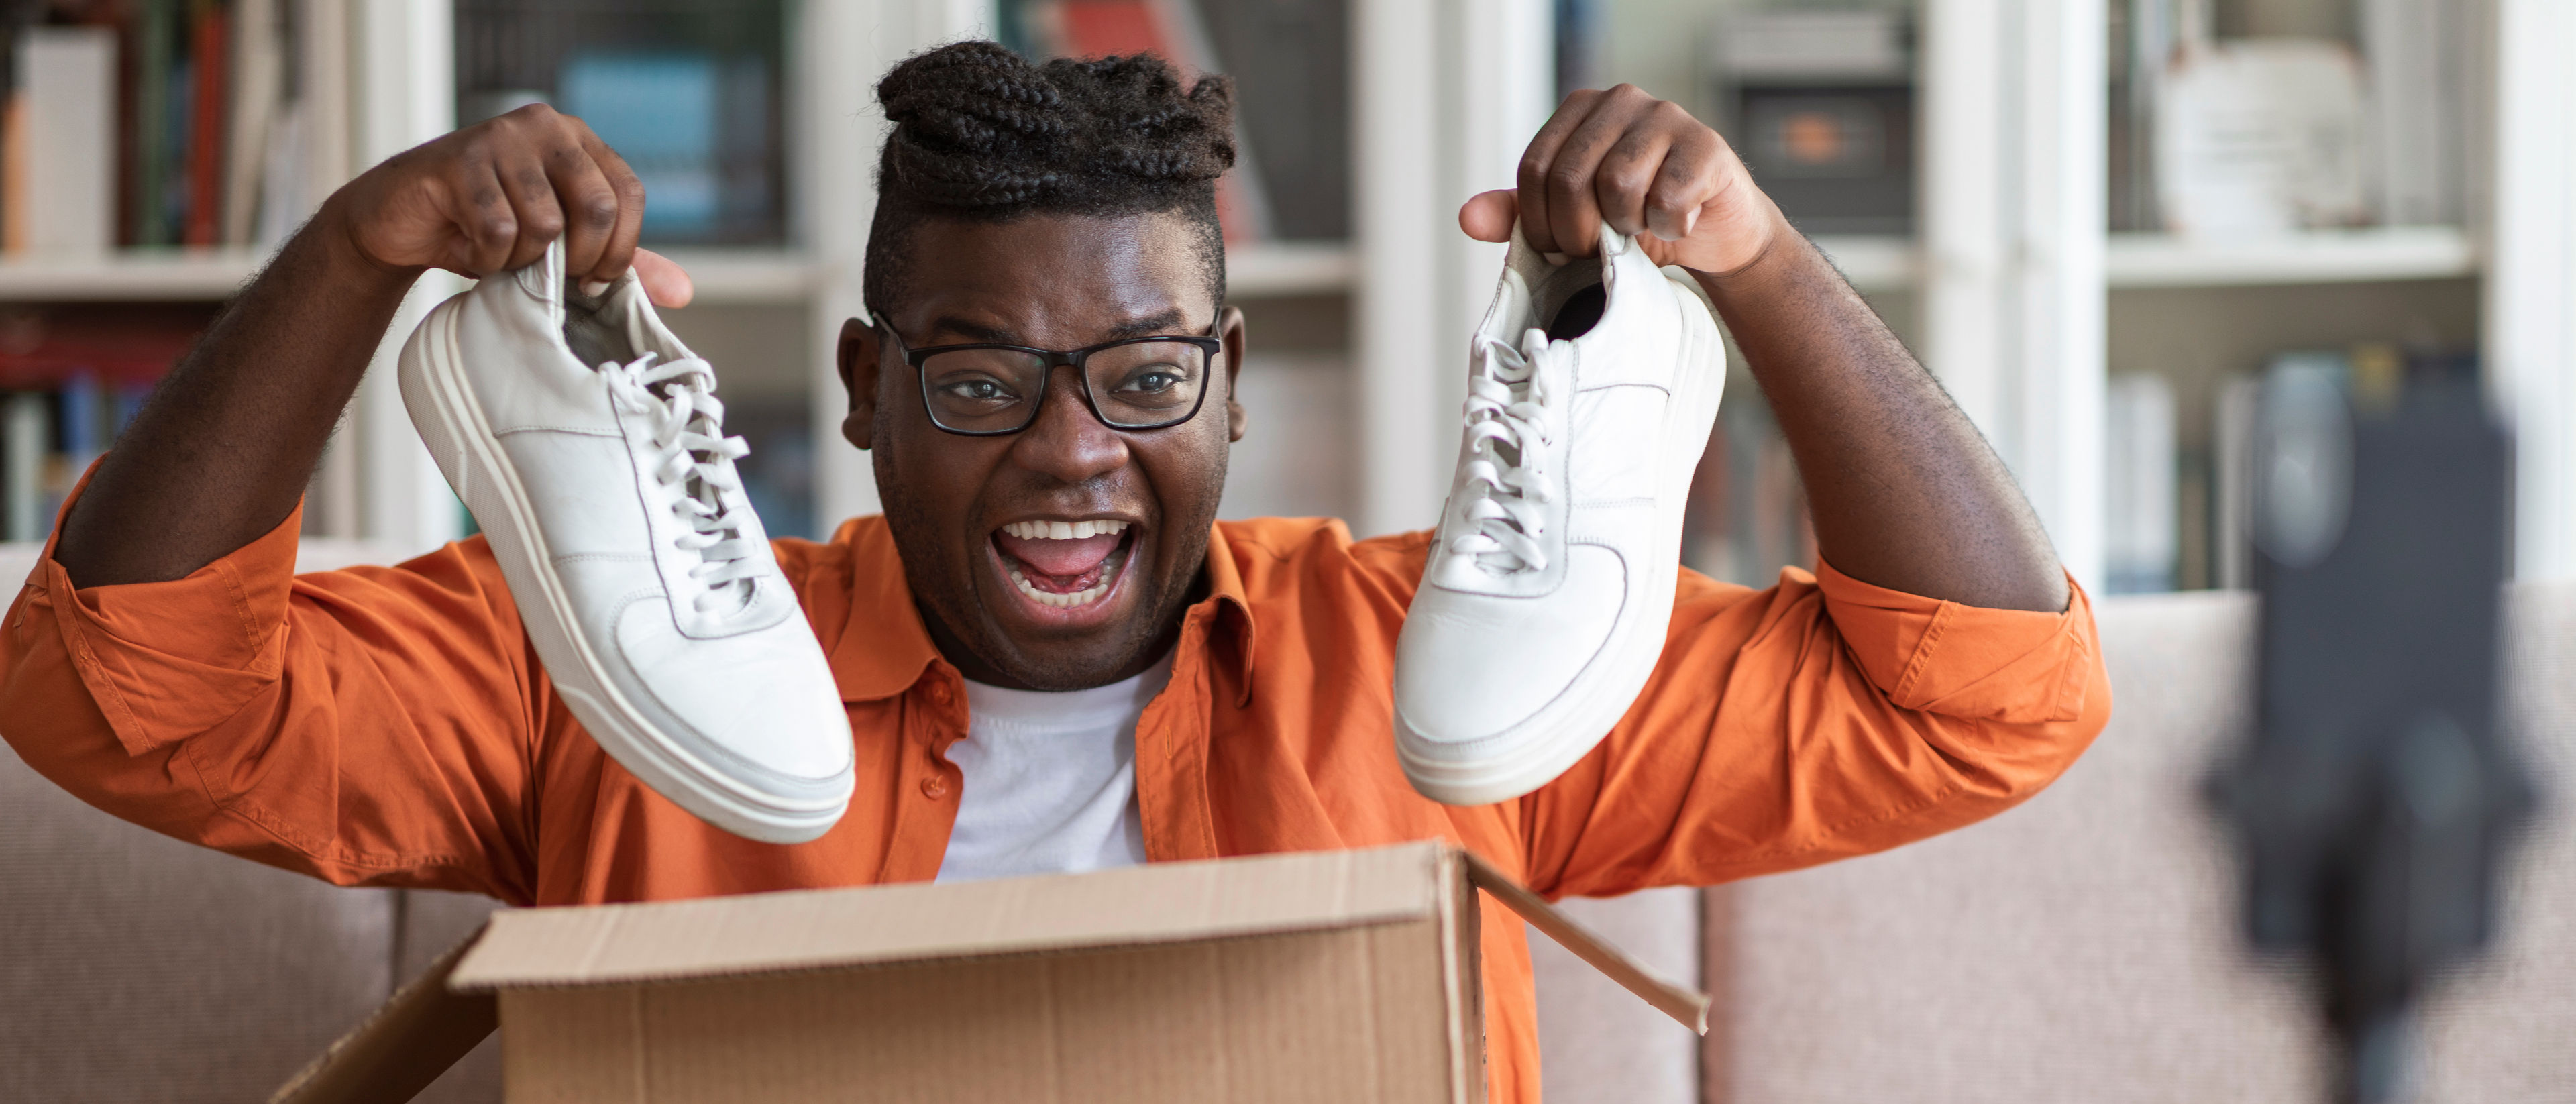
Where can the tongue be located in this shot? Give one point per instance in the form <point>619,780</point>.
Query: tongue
<point>1059,557</point>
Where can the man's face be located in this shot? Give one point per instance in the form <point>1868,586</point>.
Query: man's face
<point>970,513</point>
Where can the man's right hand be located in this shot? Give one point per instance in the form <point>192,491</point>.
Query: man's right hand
<point>491,198</point>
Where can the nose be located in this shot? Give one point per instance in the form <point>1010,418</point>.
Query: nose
<point>1066,442</point>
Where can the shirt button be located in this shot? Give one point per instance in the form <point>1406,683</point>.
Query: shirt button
<point>934,787</point>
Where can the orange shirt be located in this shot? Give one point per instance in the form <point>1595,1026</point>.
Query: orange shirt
<point>391,726</point>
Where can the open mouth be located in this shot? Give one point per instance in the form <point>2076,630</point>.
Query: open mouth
<point>1064,564</point>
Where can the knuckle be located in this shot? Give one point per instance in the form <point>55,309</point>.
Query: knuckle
<point>1567,178</point>
<point>598,210</point>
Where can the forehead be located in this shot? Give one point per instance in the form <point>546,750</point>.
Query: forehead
<point>1057,281</point>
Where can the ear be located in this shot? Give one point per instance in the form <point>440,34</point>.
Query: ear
<point>1230,330</point>
<point>857,357</point>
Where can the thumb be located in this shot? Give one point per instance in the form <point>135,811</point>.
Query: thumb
<point>1489,216</point>
<point>665,282</point>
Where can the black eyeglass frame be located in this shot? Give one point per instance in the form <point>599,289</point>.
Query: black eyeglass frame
<point>1211,347</point>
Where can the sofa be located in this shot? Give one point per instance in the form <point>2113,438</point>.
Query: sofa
<point>2077,947</point>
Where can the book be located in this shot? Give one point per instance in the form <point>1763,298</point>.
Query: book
<point>210,57</point>
<point>62,154</point>
<point>26,431</point>
<point>2141,518</point>
<point>2416,54</point>
<point>259,76</point>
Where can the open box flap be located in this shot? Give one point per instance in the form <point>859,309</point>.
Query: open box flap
<point>413,1037</point>
<point>1682,1003</point>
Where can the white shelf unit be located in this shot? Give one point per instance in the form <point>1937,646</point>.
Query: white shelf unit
<point>2009,297</point>
<point>2313,257</point>
<point>2014,277</point>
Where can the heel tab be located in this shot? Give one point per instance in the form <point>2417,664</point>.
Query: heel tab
<point>543,281</point>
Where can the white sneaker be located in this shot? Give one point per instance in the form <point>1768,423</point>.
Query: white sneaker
<point>1550,581</point>
<point>644,578</point>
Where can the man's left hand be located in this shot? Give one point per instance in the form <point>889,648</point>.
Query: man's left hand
<point>1644,166</point>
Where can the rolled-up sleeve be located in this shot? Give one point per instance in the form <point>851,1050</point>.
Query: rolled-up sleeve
<point>367,726</point>
<point>1819,719</point>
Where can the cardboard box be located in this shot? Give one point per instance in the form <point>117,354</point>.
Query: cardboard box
<point>1347,975</point>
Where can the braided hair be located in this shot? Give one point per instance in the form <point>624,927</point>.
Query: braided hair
<point>982,134</point>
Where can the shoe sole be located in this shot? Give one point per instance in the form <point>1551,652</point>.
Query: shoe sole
<point>451,422</point>
<point>1693,407</point>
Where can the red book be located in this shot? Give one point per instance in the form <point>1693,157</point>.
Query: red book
<point>210,48</point>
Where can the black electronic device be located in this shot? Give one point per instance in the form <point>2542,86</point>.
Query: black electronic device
<point>2374,803</point>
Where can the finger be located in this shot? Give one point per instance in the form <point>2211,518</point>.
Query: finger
<point>1574,214</point>
<point>589,204</point>
<point>1626,174</point>
<point>1691,175</point>
<point>532,199</point>
<point>665,282</point>
<point>1488,217</point>
<point>487,226</point>
<point>619,253</point>
<point>1536,226</point>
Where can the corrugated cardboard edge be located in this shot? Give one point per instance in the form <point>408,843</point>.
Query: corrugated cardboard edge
<point>408,1041</point>
<point>1684,1004</point>
<point>830,929</point>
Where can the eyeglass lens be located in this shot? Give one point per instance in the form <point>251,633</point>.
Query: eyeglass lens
<point>1137,386</point>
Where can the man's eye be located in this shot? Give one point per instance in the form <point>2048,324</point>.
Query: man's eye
<point>977,390</point>
<point>1151,382</point>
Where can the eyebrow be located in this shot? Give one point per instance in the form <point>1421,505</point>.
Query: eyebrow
<point>975,332</point>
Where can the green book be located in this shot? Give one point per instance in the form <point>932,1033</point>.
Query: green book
<point>156,32</point>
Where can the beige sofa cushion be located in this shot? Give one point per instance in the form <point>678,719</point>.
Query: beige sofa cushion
<point>134,967</point>
<point>2083,946</point>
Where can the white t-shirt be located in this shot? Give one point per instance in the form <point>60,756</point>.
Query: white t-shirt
<point>1049,780</point>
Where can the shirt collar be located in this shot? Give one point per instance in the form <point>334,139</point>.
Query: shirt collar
<point>884,649</point>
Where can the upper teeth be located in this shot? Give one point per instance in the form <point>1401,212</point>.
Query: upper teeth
<point>1063,530</point>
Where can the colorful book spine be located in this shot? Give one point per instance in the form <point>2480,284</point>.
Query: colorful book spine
<point>210,48</point>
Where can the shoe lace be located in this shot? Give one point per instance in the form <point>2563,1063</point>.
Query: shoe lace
<point>1508,427</point>
<point>693,467</point>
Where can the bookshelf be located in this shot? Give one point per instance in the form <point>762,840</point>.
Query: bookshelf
<point>2023,308</point>
<point>2017,294</point>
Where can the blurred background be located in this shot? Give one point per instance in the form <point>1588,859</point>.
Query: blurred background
<point>2097,221</point>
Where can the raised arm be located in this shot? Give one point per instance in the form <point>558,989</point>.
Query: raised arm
<point>1906,495</point>
<point>224,448</point>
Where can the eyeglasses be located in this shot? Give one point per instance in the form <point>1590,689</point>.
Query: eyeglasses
<point>987,390</point>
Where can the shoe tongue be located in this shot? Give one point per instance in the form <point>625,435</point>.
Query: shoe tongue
<point>1059,557</point>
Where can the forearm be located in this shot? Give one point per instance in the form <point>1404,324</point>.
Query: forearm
<point>222,451</point>
<point>1904,492</point>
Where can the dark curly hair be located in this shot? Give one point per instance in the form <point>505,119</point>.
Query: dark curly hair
<point>982,134</point>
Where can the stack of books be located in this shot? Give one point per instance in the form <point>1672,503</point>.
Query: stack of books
<point>70,378</point>
<point>156,123</point>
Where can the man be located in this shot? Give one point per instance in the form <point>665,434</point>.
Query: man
<point>391,726</point>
